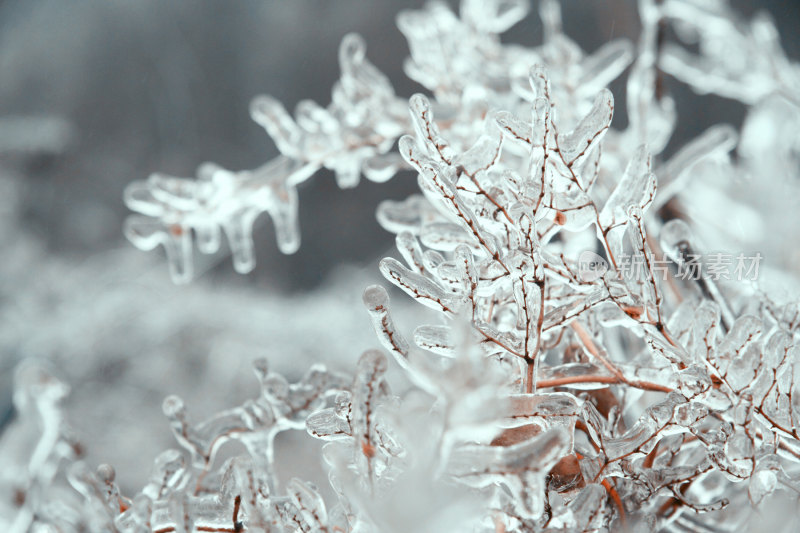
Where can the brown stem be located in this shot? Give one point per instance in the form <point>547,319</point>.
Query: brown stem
<point>530,377</point>
<point>590,345</point>
<point>589,378</point>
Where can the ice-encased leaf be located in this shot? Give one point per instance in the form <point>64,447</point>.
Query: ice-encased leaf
<point>637,188</point>
<point>409,215</point>
<point>687,414</point>
<point>445,236</point>
<point>381,168</point>
<point>437,339</point>
<point>694,380</point>
<point>170,475</point>
<point>270,114</point>
<point>493,16</point>
<point>437,182</point>
<point>590,129</point>
<point>146,234</point>
<point>519,467</point>
<point>674,175</point>
<point>334,422</point>
<point>762,483</point>
<point>137,518</point>
<point>586,512</point>
<point>640,437</point>
<point>369,391</point>
<point>734,345</point>
<point>530,315</point>
<point>525,408</point>
<point>514,128</point>
<point>376,300</point>
<point>100,483</point>
<point>309,504</point>
<point>359,76</point>
<point>425,290</point>
<point>482,155</point>
<point>573,212</point>
<point>427,132</point>
<point>764,480</point>
<point>605,65</point>
<point>562,315</point>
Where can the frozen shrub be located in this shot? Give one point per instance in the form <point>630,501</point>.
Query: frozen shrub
<point>594,366</point>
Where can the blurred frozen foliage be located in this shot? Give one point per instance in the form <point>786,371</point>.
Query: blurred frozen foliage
<point>114,326</point>
<point>96,93</point>
<point>527,397</point>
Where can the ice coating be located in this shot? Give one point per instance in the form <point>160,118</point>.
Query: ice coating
<point>626,400</point>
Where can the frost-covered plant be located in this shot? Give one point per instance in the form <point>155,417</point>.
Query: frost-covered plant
<point>574,379</point>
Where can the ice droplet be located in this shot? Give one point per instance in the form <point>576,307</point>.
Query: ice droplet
<point>375,296</point>
<point>173,407</point>
<point>106,473</point>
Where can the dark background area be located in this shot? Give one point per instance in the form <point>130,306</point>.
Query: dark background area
<point>163,86</point>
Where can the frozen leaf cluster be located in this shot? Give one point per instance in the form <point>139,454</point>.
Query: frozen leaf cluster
<point>352,135</point>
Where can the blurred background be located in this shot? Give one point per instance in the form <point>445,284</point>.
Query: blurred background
<point>96,94</point>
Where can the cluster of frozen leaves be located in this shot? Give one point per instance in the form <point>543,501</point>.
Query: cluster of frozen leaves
<point>545,397</point>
